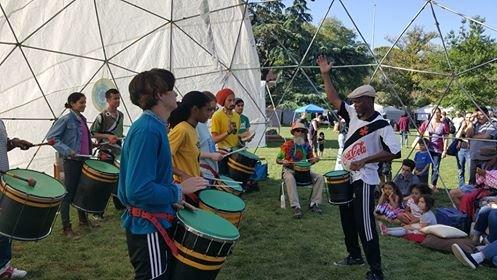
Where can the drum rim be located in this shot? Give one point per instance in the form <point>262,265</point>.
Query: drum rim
<point>204,235</point>
<point>222,193</point>
<point>339,203</point>
<point>345,174</point>
<point>103,172</point>
<point>13,189</point>
<point>220,182</point>
<point>28,239</point>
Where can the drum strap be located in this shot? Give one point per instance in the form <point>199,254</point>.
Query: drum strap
<point>154,219</point>
<point>208,167</point>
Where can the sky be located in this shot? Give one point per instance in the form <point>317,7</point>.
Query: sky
<point>392,16</point>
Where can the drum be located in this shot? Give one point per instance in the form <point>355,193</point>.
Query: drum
<point>224,204</point>
<point>241,165</point>
<point>117,163</point>
<point>302,173</point>
<point>28,212</point>
<point>339,188</point>
<point>98,179</point>
<point>204,240</point>
<point>229,186</point>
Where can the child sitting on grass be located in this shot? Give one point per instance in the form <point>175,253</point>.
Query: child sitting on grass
<point>425,203</point>
<point>412,211</point>
<point>389,204</point>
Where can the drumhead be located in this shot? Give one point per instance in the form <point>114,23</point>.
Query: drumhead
<point>209,224</point>
<point>45,187</point>
<point>337,174</point>
<point>102,166</point>
<point>233,185</point>
<point>222,200</point>
<point>303,163</point>
<point>249,155</point>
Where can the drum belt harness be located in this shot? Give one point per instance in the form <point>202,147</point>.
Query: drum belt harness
<point>154,219</point>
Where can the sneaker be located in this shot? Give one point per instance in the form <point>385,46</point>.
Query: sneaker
<point>464,257</point>
<point>349,260</point>
<point>10,272</point>
<point>374,275</point>
<point>316,209</point>
<point>297,213</point>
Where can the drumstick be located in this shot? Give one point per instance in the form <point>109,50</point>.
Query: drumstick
<point>189,207</point>
<point>235,151</point>
<point>50,142</point>
<point>221,179</point>
<point>31,182</point>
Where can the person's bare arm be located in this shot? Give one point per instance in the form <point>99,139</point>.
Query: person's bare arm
<point>331,93</point>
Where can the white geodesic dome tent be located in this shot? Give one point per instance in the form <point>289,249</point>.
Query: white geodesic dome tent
<point>49,49</point>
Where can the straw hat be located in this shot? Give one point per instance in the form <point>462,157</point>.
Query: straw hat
<point>298,125</point>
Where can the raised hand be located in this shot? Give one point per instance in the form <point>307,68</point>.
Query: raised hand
<point>324,65</point>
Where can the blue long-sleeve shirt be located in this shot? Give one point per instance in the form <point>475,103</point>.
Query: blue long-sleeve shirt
<point>146,173</point>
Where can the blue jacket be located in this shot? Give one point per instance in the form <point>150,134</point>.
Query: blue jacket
<point>146,175</point>
<point>67,134</point>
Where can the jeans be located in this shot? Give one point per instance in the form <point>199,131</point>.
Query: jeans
<point>490,252</point>
<point>463,157</point>
<point>72,174</point>
<point>404,138</point>
<point>487,217</point>
<point>435,167</point>
<point>5,250</point>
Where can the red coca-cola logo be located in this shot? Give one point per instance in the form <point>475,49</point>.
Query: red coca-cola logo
<point>356,150</point>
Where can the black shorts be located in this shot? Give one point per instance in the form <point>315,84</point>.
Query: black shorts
<point>149,255</point>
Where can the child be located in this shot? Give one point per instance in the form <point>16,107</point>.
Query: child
<point>321,144</point>
<point>412,211</point>
<point>389,203</point>
<point>425,204</point>
<point>423,161</point>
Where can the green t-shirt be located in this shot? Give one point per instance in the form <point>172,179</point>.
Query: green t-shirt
<point>244,124</point>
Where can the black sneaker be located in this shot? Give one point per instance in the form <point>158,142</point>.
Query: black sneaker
<point>464,257</point>
<point>297,213</point>
<point>374,275</point>
<point>349,260</point>
<point>316,209</point>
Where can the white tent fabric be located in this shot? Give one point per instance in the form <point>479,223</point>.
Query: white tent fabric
<point>49,49</point>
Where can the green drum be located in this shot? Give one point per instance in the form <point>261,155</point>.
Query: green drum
<point>302,173</point>
<point>204,240</point>
<point>98,179</point>
<point>241,165</point>
<point>226,184</point>
<point>224,204</point>
<point>28,212</point>
<point>339,188</point>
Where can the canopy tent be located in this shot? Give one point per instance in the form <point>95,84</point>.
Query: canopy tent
<point>49,49</point>
<point>393,113</point>
<point>309,108</point>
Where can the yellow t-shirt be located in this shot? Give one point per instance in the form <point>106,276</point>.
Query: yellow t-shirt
<point>185,149</point>
<point>219,124</point>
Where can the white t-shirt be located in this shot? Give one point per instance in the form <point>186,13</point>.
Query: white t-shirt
<point>362,142</point>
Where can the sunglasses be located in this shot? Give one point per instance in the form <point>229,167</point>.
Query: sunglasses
<point>301,130</point>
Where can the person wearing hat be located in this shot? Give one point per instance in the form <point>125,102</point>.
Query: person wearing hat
<point>370,139</point>
<point>225,124</point>
<point>291,152</point>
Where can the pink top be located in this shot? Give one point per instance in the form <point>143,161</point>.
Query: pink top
<point>84,147</point>
<point>489,180</point>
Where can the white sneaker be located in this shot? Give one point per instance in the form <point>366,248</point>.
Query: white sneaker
<point>10,272</point>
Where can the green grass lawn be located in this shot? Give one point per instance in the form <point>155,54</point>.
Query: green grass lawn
<point>272,245</point>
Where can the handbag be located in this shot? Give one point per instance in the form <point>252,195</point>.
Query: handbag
<point>453,148</point>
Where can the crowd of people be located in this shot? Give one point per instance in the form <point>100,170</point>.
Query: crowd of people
<point>170,153</point>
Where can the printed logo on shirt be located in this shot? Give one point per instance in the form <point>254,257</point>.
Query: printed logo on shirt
<point>355,151</point>
<point>364,131</point>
